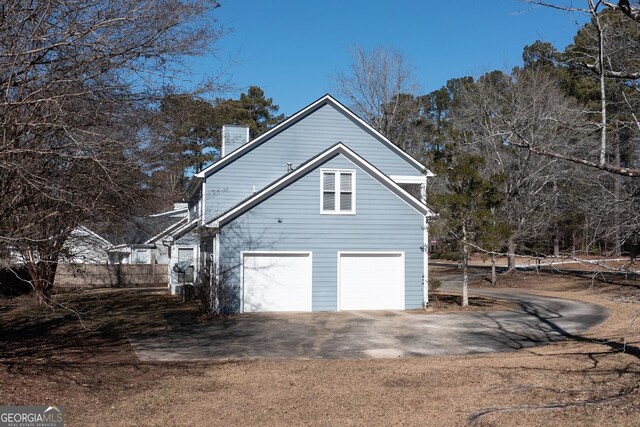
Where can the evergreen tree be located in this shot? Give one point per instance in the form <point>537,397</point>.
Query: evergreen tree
<point>467,205</point>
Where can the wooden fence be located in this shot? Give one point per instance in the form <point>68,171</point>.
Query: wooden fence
<point>112,275</point>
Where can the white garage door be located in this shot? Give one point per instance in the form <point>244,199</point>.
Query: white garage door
<point>276,281</point>
<point>371,281</point>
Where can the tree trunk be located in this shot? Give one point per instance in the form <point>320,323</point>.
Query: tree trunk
<point>43,293</point>
<point>43,282</point>
<point>465,263</point>
<point>42,274</point>
<point>511,255</point>
<point>556,228</point>
<point>617,190</point>
<point>493,269</point>
<point>603,89</point>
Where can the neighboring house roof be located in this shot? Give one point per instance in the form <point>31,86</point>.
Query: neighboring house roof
<point>176,230</point>
<point>96,236</point>
<point>307,167</point>
<point>326,99</point>
<point>139,230</point>
<point>169,230</point>
<point>174,213</point>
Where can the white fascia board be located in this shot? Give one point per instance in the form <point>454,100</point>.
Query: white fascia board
<point>102,239</point>
<point>394,147</point>
<point>266,191</point>
<point>408,179</point>
<point>203,201</point>
<point>266,135</point>
<point>375,173</point>
<point>185,227</point>
<point>168,213</point>
<point>193,185</point>
<point>326,98</point>
<point>339,148</point>
<point>166,231</point>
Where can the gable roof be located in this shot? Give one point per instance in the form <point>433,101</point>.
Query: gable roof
<point>93,234</point>
<point>309,166</point>
<point>169,230</point>
<point>326,99</point>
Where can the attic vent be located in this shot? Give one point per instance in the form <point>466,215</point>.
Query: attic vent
<point>233,137</point>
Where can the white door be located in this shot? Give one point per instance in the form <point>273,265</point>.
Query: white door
<point>371,281</point>
<point>276,281</point>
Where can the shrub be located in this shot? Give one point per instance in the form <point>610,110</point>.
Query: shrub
<point>434,284</point>
<point>214,290</point>
<point>453,256</point>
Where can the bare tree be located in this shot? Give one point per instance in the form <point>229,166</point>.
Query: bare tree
<point>524,108</point>
<point>613,56</point>
<point>380,87</point>
<point>76,80</point>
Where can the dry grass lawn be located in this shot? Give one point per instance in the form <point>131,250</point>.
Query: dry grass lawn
<point>92,371</point>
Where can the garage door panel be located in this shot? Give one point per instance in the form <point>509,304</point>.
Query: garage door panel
<point>371,281</point>
<point>277,282</point>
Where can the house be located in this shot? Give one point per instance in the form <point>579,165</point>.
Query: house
<point>85,247</point>
<point>163,238</point>
<point>321,213</point>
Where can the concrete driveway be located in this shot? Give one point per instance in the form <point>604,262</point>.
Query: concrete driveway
<point>376,334</point>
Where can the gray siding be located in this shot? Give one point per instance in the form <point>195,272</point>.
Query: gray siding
<point>382,222</point>
<point>233,137</point>
<point>191,238</point>
<point>297,144</point>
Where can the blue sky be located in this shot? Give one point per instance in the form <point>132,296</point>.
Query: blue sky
<point>291,48</point>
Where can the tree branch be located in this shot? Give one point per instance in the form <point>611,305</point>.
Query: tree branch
<point>625,75</point>
<point>624,7</point>
<point>630,172</point>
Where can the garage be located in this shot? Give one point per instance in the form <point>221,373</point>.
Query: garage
<point>371,281</point>
<point>276,281</point>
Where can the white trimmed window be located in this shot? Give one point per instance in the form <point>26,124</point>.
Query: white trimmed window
<point>338,192</point>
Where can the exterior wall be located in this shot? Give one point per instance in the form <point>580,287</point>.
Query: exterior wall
<point>291,221</point>
<point>233,137</point>
<point>297,144</point>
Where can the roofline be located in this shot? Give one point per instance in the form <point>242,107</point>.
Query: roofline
<point>296,117</point>
<point>194,184</point>
<point>393,146</point>
<point>186,226</point>
<point>165,231</point>
<point>96,235</point>
<point>116,248</point>
<point>169,212</point>
<point>320,159</point>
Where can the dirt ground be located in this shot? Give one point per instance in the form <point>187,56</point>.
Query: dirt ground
<point>90,369</point>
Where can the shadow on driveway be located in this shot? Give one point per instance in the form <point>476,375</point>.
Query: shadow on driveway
<point>375,334</point>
